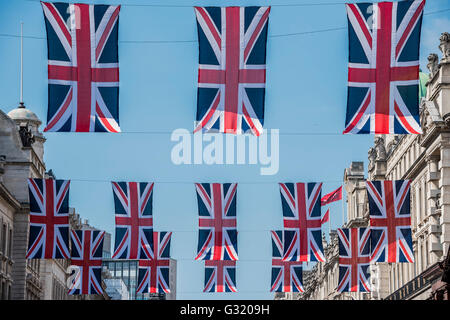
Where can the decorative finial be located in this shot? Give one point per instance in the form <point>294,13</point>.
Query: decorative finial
<point>433,64</point>
<point>445,46</point>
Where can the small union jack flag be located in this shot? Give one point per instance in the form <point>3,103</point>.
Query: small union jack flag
<point>383,73</point>
<point>232,68</point>
<point>217,221</point>
<point>87,251</point>
<point>83,67</point>
<point>326,217</point>
<point>286,275</point>
<point>49,219</point>
<point>154,272</point>
<point>220,276</point>
<point>331,197</point>
<point>302,221</point>
<point>390,221</point>
<point>134,219</point>
<point>354,260</point>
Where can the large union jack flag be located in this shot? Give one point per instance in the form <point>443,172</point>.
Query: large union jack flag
<point>232,68</point>
<point>383,74</point>
<point>220,276</point>
<point>87,251</point>
<point>390,221</point>
<point>217,221</point>
<point>49,219</point>
<point>134,219</point>
<point>302,220</point>
<point>154,272</point>
<point>354,260</point>
<point>83,67</point>
<point>286,275</point>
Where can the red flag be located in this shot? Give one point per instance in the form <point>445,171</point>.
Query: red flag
<point>326,217</point>
<point>336,195</point>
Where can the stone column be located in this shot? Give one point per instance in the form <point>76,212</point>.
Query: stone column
<point>434,231</point>
<point>441,83</point>
<point>20,245</point>
<point>379,272</point>
<point>445,191</point>
<point>354,184</point>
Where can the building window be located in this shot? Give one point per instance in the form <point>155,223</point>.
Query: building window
<point>405,268</point>
<point>4,287</point>
<point>10,243</point>
<point>393,278</point>
<point>420,253</point>
<point>413,209</point>
<point>419,204</point>
<point>425,251</point>
<point>4,238</point>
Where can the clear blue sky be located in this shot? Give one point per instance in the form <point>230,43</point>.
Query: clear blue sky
<point>306,93</point>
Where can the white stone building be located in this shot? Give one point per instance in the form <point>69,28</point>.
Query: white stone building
<point>425,160</point>
<point>21,157</point>
<point>116,289</point>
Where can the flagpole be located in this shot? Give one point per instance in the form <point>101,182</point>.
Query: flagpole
<point>21,63</point>
<point>343,209</point>
<point>329,225</point>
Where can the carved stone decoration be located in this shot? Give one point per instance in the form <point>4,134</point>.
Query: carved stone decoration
<point>392,144</point>
<point>380,148</point>
<point>445,47</point>
<point>26,135</point>
<point>2,164</point>
<point>50,174</point>
<point>446,119</point>
<point>433,64</point>
<point>425,120</point>
<point>372,156</point>
<point>445,266</point>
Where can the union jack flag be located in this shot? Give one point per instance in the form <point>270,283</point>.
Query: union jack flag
<point>354,260</point>
<point>302,221</point>
<point>220,276</point>
<point>286,275</point>
<point>390,221</point>
<point>134,219</point>
<point>87,251</point>
<point>49,219</point>
<point>217,221</point>
<point>154,272</point>
<point>83,67</point>
<point>232,68</point>
<point>383,73</point>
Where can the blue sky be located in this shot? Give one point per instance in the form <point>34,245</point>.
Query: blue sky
<point>306,93</point>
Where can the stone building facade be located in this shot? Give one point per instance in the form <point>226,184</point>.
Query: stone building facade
<point>21,157</point>
<point>425,160</point>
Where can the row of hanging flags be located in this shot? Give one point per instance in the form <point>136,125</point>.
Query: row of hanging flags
<point>387,239</point>
<point>383,68</point>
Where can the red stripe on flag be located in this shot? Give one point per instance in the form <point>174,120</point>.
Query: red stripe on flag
<point>336,195</point>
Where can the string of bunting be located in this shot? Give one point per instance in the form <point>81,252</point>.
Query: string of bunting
<point>83,89</point>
